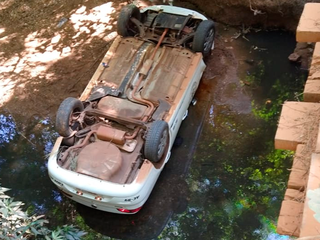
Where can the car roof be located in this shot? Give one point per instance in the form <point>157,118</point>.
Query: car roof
<point>175,10</point>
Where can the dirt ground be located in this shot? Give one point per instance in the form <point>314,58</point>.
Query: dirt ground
<point>50,49</point>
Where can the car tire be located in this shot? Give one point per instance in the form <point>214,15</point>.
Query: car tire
<point>65,125</point>
<point>156,141</point>
<point>125,27</point>
<point>204,37</point>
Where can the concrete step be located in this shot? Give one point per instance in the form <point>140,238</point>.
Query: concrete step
<point>311,91</point>
<point>315,63</point>
<point>297,121</point>
<point>302,158</point>
<point>298,179</point>
<point>289,220</point>
<point>309,29</point>
<point>294,195</point>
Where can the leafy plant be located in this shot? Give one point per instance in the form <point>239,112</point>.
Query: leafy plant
<point>17,224</point>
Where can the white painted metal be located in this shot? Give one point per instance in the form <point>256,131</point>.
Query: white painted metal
<point>175,10</point>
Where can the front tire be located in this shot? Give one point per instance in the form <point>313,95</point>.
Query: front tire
<point>204,37</point>
<point>156,141</point>
<point>125,27</point>
<point>67,113</point>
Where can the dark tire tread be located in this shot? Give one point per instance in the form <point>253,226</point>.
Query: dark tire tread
<point>124,19</point>
<point>153,139</point>
<point>201,35</point>
<point>66,109</point>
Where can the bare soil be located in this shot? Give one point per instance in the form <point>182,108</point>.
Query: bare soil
<point>50,49</point>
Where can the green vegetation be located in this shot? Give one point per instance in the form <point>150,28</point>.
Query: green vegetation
<point>254,79</point>
<point>18,224</point>
<point>270,110</point>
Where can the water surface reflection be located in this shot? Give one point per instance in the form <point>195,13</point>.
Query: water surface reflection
<point>23,150</point>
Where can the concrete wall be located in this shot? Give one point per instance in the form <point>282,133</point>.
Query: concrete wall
<point>299,130</point>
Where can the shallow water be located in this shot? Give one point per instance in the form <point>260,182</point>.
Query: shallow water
<point>225,180</point>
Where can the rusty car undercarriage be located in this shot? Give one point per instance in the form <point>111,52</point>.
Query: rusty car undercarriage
<point>130,112</point>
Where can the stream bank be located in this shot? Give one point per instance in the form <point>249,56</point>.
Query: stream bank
<point>282,14</point>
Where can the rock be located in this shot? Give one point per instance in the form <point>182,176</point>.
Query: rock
<point>302,45</point>
<point>294,57</point>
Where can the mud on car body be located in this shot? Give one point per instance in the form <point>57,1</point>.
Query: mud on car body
<point>116,138</point>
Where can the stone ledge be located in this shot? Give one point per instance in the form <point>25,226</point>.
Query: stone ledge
<point>315,63</point>
<point>309,25</point>
<point>311,91</point>
<point>301,158</point>
<point>295,119</point>
<point>290,218</point>
<point>294,195</point>
<point>298,179</point>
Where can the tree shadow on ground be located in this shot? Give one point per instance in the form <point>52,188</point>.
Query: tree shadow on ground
<point>49,51</point>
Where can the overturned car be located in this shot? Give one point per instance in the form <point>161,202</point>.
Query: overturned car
<point>116,139</point>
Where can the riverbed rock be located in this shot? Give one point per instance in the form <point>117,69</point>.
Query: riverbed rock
<point>302,54</point>
<point>294,57</point>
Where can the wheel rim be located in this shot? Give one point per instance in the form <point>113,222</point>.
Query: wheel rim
<point>208,40</point>
<point>162,144</point>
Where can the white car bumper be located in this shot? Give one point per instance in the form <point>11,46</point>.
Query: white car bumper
<point>100,194</point>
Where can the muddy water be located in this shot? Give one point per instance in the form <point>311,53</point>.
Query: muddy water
<point>224,180</point>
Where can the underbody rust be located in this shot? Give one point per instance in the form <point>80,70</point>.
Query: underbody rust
<point>122,103</point>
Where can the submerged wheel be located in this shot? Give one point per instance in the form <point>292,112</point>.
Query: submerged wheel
<point>66,116</point>
<point>156,141</point>
<point>204,37</point>
<point>125,27</point>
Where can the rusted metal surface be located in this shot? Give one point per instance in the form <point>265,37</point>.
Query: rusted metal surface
<point>105,160</point>
<point>167,75</point>
<point>111,135</point>
<point>164,74</point>
<point>122,107</point>
<point>118,66</point>
<point>196,59</point>
<point>95,78</point>
<point>64,161</point>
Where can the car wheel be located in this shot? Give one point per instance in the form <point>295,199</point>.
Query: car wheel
<point>125,27</point>
<point>156,141</point>
<point>66,116</point>
<point>204,37</point>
